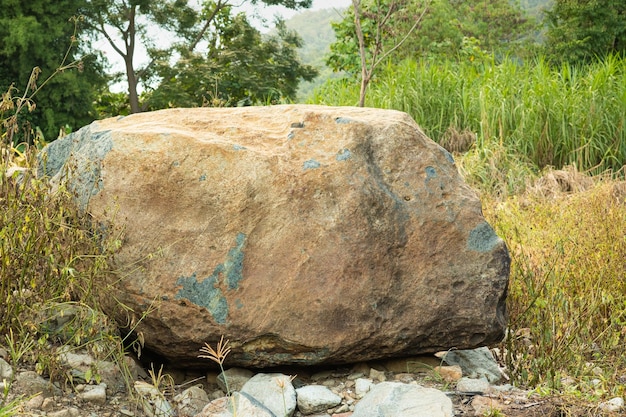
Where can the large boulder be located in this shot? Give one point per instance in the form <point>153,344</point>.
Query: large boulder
<point>304,234</point>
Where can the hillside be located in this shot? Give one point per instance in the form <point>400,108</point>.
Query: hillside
<point>317,35</point>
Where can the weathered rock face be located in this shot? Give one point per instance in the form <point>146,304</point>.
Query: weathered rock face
<point>304,234</point>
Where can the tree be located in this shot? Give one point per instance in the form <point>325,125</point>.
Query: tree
<point>498,26</point>
<point>126,23</point>
<point>582,30</point>
<point>37,34</point>
<point>240,68</point>
<point>367,32</point>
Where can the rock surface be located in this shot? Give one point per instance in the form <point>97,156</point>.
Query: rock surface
<point>391,399</point>
<point>304,234</point>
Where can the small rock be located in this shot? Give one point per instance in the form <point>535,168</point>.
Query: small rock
<point>31,383</point>
<point>191,401</point>
<point>613,405</point>
<point>483,405</point>
<point>392,399</point>
<point>274,391</point>
<point>315,398</point>
<point>471,385</point>
<point>35,403</point>
<point>153,401</point>
<point>235,377</point>
<point>377,375</point>
<point>362,386</point>
<point>48,404</point>
<point>96,394</point>
<point>355,375</point>
<point>244,405</point>
<point>3,353</point>
<point>475,363</point>
<point>415,364</point>
<point>85,368</point>
<point>6,371</point>
<point>449,373</point>
<point>321,375</point>
<point>67,412</point>
<point>404,377</point>
<point>216,394</point>
<point>342,409</point>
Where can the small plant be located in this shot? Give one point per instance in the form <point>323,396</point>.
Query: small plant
<point>218,356</point>
<point>282,383</point>
<point>493,412</point>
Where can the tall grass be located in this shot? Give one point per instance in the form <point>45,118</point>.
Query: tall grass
<point>547,116</point>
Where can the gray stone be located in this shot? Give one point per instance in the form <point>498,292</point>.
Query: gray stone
<point>613,405</point>
<point>239,404</point>
<point>362,386</point>
<point>83,364</point>
<point>393,399</point>
<point>236,378</point>
<point>30,383</point>
<point>274,391</point>
<point>153,401</point>
<point>96,394</point>
<point>191,401</point>
<point>472,385</point>
<point>315,398</point>
<point>66,412</point>
<point>475,363</point>
<point>6,371</point>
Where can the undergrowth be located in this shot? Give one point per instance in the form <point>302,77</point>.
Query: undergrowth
<point>567,298</point>
<point>53,264</point>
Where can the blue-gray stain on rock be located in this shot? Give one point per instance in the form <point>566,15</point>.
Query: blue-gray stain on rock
<point>203,177</point>
<point>343,120</point>
<point>310,164</point>
<point>206,294</point>
<point>343,155</point>
<point>80,155</point>
<point>291,135</point>
<point>482,238</point>
<point>233,265</point>
<point>448,155</point>
<point>238,147</point>
<point>430,172</point>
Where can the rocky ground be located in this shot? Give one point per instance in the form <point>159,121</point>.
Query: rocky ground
<point>462,389</point>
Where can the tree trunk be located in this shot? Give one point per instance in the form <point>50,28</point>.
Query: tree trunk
<point>131,76</point>
<point>356,4</point>
<point>133,97</point>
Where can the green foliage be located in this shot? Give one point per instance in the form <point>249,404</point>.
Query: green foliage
<point>529,113</point>
<point>209,29</point>
<point>47,252</point>
<point>567,298</point>
<point>581,31</point>
<point>241,68</point>
<point>497,26</point>
<point>35,34</point>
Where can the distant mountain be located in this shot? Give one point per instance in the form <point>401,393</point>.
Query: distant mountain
<point>317,34</point>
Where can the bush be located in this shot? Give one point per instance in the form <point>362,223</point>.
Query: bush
<point>567,298</point>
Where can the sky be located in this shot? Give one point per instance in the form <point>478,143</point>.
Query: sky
<point>268,12</point>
